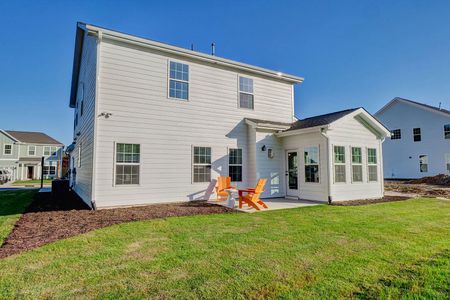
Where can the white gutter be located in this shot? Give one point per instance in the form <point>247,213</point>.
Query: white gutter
<point>302,131</point>
<point>130,39</point>
<point>324,134</point>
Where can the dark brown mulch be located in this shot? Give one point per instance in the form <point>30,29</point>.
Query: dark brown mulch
<point>47,220</point>
<point>440,179</point>
<point>370,201</point>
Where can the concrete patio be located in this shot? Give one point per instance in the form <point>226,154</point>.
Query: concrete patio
<point>272,204</point>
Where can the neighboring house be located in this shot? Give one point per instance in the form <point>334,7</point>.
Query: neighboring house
<point>420,139</point>
<point>157,123</point>
<point>21,153</point>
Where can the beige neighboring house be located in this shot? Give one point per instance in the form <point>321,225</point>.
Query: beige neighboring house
<point>21,153</point>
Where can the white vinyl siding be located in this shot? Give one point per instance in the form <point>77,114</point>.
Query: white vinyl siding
<point>246,96</point>
<point>339,164</point>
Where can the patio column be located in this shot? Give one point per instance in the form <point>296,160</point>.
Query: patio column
<point>251,155</point>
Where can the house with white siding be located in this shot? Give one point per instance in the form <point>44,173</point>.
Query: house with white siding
<point>420,142</point>
<point>158,123</point>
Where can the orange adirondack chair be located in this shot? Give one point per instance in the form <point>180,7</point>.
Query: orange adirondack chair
<point>223,183</point>
<point>252,197</point>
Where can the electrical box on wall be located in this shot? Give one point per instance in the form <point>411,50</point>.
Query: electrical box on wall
<point>270,153</point>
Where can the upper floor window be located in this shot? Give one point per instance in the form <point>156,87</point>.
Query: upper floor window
<point>339,164</point>
<point>201,164</point>
<point>396,134</point>
<point>178,80</point>
<point>246,97</point>
<point>372,164</point>
<point>7,150</point>
<point>416,134</point>
<point>128,157</point>
<point>235,164</point>
<point>357,164</point>
<point>49,150</point>
<point>447,131</point>
<point>311,164</point>
<point>423,163</point>
<point>31,150</point>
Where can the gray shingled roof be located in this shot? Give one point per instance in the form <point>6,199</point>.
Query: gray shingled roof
<point>320,120</point>
<point>33,137</point>
<point>424,105</point>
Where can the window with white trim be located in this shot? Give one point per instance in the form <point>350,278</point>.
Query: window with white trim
<point>339,164</point>
<point>423,163</point>
<point>49,150</point>
<point>235,164</point>
<point>246,97</point>
<point>447,161</point>
<point>396,134</point>
<point>201,164</point>
<point>31,150</point>
<point>178,80</point>
<point>447,131</point>
<point>417,135</point>
<point>7,149</point>
<point>311,156</point>
<point>128,159</point>
<point>372,164</point>
<point>357,169</point>
<point>49,169</point>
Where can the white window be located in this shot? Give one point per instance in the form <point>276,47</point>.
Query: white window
<point>396,134</point>
<point>246,97</point>
<point>201,164</point>
<point>7,150</point>
<point>49,151</point>
<point>417,135</point>
<point>79,157</point>
<point>339,164</point>
<point>31,150</point>
<point>372,166</point>
<point>447,131</point>
<point>49,169</point>
<point>357,168</point>
<point>235,164</point>
<point>423,163</point>
<point>128,157</point>
<point>178,80</point>
<point>447,161</point>
<point>311,155</point>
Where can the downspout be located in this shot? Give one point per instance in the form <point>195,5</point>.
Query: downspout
<point>324,134</point>
<point>382,166</point>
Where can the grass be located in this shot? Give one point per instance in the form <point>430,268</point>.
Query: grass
<point>389,250</point>
<point>31,182</point>
<point>12,205</point>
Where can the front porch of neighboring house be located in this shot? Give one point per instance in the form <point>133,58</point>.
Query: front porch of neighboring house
<point>29,168</point>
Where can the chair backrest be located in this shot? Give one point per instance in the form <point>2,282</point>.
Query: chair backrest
<point>223,182</point>
<point>260,186</point>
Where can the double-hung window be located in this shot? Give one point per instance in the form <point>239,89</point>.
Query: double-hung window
<point>311,155</point>
<point>246,97</point>
<point>372,164</point>
<point>128,158</point>
<point>357,168</point>
<point>396,134</point>
<point>201,167</point>
<point>447,131</point>
<point>7,150</point>
<point>49,169</point>
<point>178,80</point>
<point>49,151</point>
<point>235,164</point>
<point>339,164</point>
<point>417,135</point>
<point>31,150</point>
<point>423,163</point>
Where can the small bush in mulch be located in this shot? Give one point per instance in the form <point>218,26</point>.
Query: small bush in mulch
<point>370,201</point>
<point>440,179</point>
<point>47,220</point>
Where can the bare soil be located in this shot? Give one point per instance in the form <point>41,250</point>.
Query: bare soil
<point>422,189</point>
<point>47,220</point>
<point>370,201</point>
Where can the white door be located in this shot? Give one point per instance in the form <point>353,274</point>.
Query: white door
<point>292,173</point>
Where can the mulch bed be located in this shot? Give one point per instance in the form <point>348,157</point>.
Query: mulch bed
<point>370,201</point>
<point>47,220</point>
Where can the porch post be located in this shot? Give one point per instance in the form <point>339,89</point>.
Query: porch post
<point>251,155</point>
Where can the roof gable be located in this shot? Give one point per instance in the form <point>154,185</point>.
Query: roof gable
<point>423,106</point>
<point>32,137</point>
<point>320,120</point>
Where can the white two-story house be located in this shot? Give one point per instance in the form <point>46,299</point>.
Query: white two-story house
<point>420,141</point>
<point>158,123</point>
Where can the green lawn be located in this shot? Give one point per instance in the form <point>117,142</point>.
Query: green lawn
<point>389,250</point>
<point>29,182</point>
<point>12,205</point>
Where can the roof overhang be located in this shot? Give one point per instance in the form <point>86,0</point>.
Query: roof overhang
<point>83,29</point>
<point>267,125</point>
<point>364,117</point>
<point>8,135</point>
<point>411,103</point>
<point>320,128</point>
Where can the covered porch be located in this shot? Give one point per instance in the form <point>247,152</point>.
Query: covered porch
<point>272,204</point>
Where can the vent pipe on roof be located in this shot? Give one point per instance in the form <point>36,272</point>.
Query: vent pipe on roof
<point>440,103</point>
<point>213,49</point>
<point>192,47</point>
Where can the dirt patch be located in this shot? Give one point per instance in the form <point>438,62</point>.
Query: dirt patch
<point>370,201</point>
<point>440,179</point>
<point>425,190</point>
<point>47,220</point>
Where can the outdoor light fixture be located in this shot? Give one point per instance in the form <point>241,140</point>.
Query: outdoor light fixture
<point>270,153</point>
<point>263,148</point>
<point>105,114</point>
